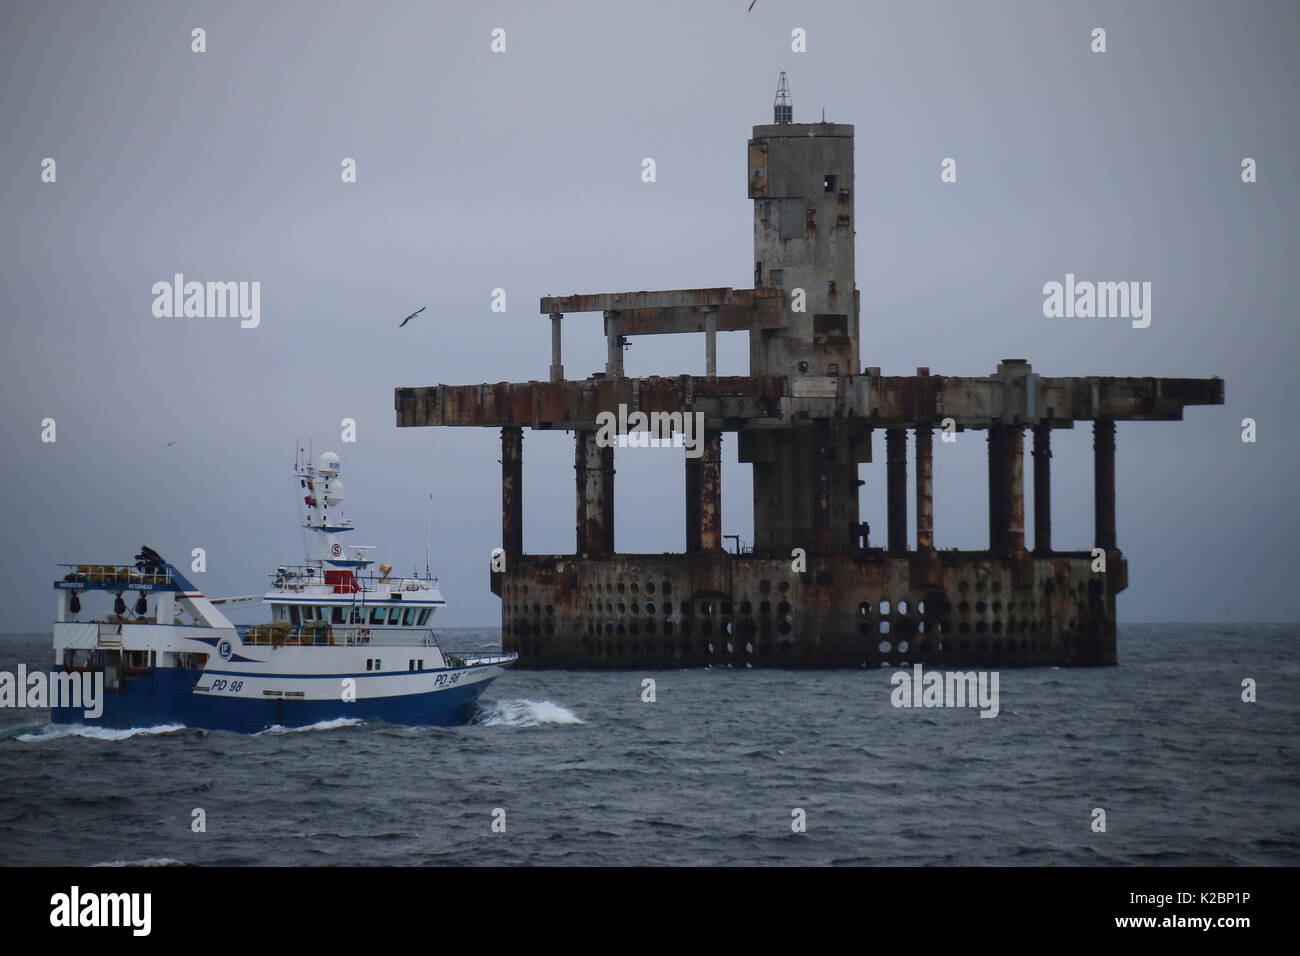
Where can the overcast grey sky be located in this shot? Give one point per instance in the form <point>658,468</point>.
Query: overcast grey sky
<point>521,171</point>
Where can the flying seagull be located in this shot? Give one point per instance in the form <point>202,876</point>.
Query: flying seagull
<point>413,315</point>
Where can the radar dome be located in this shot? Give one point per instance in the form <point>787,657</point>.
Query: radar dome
<point>329,463</point>
<point>333,491</point>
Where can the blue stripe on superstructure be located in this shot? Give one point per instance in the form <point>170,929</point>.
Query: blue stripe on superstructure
<point>341,674</point>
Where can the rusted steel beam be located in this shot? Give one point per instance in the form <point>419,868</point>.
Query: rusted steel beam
<point>512,491</point>
<point>662,299</point>
<point>1043,489</point>
<point>1103,443</point>
<point>924,489</point>
<point>764,401</point>
<point>896,488</point>
<point>575,404</point>
<point>730,318</point>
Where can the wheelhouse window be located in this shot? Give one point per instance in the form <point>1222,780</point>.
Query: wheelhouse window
<point>293,615</point>
<point>355,617</point>
<point>394,615</point>
<point>377,615</point>
<point>337,615</point>
<point>408,616</point>
<point>424,616</point>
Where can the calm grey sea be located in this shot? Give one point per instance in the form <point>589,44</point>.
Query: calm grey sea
<point>710,773</point>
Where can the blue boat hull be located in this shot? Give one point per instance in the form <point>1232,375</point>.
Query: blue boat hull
<point>165,696</point>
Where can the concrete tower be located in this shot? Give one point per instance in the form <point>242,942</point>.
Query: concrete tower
<point>801,181</point>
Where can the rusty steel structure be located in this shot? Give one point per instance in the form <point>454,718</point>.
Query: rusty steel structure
<point>814,591</point>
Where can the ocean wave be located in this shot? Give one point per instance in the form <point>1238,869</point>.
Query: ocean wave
<point>148,861</point>
<point>333,724</point>
<point>56,731</point>
<point>522,713</point>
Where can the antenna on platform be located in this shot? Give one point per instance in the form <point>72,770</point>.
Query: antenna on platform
<point>783,106</point>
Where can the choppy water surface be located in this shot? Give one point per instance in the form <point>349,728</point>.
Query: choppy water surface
<point>588,773</point>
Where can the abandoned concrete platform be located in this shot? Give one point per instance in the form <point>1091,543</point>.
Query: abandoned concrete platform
<point>814,591</point>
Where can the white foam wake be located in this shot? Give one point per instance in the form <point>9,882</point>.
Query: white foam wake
<point>333,724</point>
<point>56,731</point>
<point>523,713</point>
<point>150,861</point>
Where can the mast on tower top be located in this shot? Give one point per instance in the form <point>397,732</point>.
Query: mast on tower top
<point>782,107</point>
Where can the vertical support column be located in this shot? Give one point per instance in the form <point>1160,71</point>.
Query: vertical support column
<point>594,473</point>
<point>924,489</point>
<point>999,493</point>
<point>557,362</point>
<point>613,346</point>
<point>1042,488</point>
<point>896,487</point>
<point>704,496</point>
<point>512,492</point>
<point>711,492</point>
<point>1103,444</point>
<point>607,496</point>
<point>1014,538</point>
<point>711,344</point>
<point>821,486</point>
<point>693,500</point>
<point>580,439</point>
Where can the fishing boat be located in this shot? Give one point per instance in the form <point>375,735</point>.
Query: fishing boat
<point>341,642</point>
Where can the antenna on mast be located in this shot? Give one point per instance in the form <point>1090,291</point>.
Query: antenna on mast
<point>782,106</point>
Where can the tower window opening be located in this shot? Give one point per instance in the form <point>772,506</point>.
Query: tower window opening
<point>828,183</point>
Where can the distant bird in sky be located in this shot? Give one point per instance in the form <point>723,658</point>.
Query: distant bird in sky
<point>751,5</point>
<point>170,443</point>
<point>413,315</point>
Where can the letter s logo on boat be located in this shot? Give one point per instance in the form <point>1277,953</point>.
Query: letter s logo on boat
<point>336,550</point>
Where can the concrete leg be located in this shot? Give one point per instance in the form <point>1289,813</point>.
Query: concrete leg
<point>1014,537</point>
<point>1103,443</point>
<point>1042,489</point>
<point>557,362</point>
<point>924,489</point>
<point>999,493</point>
<point>512,492</point>
<point>896,487</point>
<point>594,477</point>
